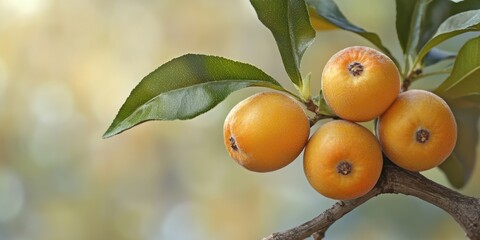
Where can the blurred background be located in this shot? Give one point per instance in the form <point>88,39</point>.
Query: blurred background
<point>66,67</point>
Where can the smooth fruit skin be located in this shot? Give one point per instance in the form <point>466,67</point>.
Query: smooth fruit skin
<point>418,132</point>
<point>266,131</point>
<point>360,83</point>
<point>335,143</point>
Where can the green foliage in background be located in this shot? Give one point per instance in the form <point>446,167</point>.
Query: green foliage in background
<point>193,84</point>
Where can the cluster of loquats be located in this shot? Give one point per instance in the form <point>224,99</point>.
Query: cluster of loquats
<point>343,160</point>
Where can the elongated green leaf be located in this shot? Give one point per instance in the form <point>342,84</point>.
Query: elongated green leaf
<point>459,166</point>
<point>457,24</point>
<point>330,12</point>
<point>289,23</point>
<point>465,77</point>
<point>405,12</point>
<point>438,11</point>
<point>436,55</point>
<point>410,14</point>
<point>462,91</point>
<point>186,87</point>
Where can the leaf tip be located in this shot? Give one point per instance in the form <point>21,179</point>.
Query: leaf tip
<point>109,133</point>
<point>114,129</point>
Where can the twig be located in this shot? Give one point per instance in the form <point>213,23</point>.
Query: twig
<point>464,209</point>
<point>409,79</point>
<point>312,107</point>
<point>443,71</point>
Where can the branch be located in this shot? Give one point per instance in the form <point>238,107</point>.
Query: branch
<point>464,209</point>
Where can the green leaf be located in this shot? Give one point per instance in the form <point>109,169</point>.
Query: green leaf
<point>465,77</point>
<point>459,166</point>
<point>323,107</point>
<point>460,23</point>
<point>186,87</point>
<point>436,55</point>
<point>330,12</point>
<point>472,98</point>
<point>318,22</point>
<point>289,23</point>
<point>438,11</point>
<point>410,14</point>
<point>462,92</point>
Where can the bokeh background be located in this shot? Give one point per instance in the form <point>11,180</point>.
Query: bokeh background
<point>67,66</point>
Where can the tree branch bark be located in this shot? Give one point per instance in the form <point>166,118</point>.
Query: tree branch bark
<point>464,209</point>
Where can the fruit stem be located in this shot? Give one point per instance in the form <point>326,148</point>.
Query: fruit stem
<point>410,77</point>
<point>312,107</point>
<point>444,71</point>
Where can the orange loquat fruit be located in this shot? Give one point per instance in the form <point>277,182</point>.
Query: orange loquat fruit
<point>342,160</point>
<point>418,132</point>
<point>266,131</point>
<point>359,83</point>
